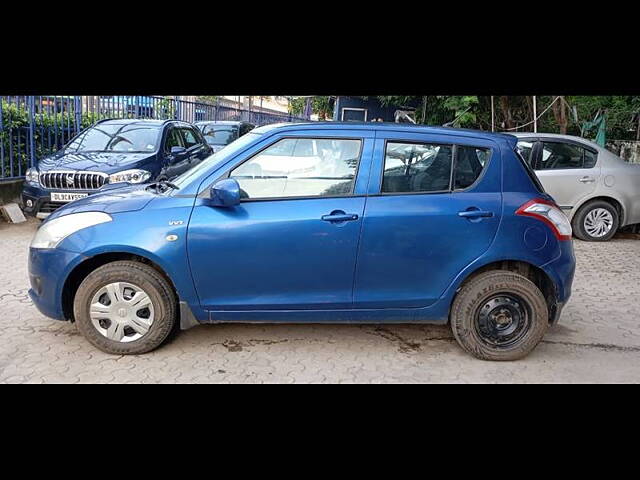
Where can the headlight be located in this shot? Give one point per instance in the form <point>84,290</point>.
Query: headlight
<point>32,176</point>
<point>131,176</point>
<point>51,233</point>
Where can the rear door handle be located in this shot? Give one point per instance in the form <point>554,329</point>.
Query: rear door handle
<point>587,179</point>
<point>339,216</point>
<point>475,214</point>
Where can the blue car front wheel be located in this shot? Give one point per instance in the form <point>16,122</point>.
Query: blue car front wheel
<point>125,307</point>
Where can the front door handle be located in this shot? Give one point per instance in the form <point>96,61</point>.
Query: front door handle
<point>339,216</point>
<point>475,214</point>
<point>587,180</point>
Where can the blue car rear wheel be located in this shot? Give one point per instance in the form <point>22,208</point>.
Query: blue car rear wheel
<point>503,320</point>
<point>499,315</point>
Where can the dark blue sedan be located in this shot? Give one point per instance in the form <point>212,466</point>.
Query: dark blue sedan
<point>112,151</point>
<point>318,222</point>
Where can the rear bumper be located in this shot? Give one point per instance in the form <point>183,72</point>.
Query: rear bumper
<point>556,311</point>
<point>561,271</point>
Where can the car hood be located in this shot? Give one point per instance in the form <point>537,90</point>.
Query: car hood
<point>106,162</point>
<point>114,200</point>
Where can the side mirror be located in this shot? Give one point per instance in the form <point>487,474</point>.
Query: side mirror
<point>176,151</point>
<point>225,193</point>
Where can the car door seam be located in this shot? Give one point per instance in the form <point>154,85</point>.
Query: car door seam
<point>362,220</point>
<point>186,242</point>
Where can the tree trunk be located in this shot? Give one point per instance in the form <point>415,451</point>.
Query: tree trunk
<point>424,108</point>
<point>560,114</point>
<point>505,106</point>
<point>529,113</point>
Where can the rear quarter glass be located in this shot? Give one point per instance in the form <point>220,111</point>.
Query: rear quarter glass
<point>532,175</point>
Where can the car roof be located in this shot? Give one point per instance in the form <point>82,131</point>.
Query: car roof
<point>139,121</point>
<point>386,126</point>
<point>132,120</point>
<point>559,137</point>
<point>222,122</point>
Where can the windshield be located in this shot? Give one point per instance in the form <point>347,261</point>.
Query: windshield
<point>210,162</point>
<point>219,134</point>
<point>118,137</point>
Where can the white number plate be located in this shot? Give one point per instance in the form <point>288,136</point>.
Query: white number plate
<point>67,197</point>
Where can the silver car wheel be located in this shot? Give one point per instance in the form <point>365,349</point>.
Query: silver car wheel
<point>598,222</point>
<point>122,312</point>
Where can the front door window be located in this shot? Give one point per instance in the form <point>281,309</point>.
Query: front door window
<point>300,167</point>
<point>173,140</point>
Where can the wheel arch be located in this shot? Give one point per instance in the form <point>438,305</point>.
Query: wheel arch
<point>528,270</point>
<point>617,204</point>
<point>80,272</point>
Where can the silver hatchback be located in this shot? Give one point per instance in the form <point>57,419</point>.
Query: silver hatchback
<point>597,190</point>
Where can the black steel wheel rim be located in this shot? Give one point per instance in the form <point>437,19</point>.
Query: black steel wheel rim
<point>503,320</point>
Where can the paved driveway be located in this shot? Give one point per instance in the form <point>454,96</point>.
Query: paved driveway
<point>597,340</point>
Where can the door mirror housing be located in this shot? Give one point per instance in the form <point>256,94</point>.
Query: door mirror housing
<point>176,151</point>
<point>225,193</point>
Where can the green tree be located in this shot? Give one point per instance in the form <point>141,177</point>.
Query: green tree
<point>438,109</point>
<point>320,106</point>
<point>211,99</point>
<point>567,114</point>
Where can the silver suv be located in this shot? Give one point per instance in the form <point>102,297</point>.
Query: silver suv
<point>597,190</point>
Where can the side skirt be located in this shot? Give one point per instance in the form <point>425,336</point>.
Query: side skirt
<point>418,315</point>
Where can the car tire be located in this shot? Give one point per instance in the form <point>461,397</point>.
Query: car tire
<point>483,307</point>
<point>112,312</point>
<point>596,209</point>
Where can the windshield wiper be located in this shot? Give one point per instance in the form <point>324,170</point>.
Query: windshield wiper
<point>160,187</point>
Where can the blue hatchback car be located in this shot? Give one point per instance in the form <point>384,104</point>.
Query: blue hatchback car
<point>318,222</point>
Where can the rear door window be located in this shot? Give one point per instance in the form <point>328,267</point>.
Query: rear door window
<point>470,162</point>
<point>417,167</point>
<point>562,156</point>
<point>590,159</point>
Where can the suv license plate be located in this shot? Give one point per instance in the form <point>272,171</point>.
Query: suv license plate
<point>67,197</point>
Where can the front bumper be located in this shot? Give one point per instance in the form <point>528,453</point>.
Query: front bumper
<point>36,201</point>
<point>48,272</point>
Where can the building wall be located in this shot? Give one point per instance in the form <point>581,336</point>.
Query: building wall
<point>371,105</point>
<point>628,150</point>
<point>273,104</point>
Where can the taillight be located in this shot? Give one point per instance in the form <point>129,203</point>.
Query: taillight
<point>550,214</point>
